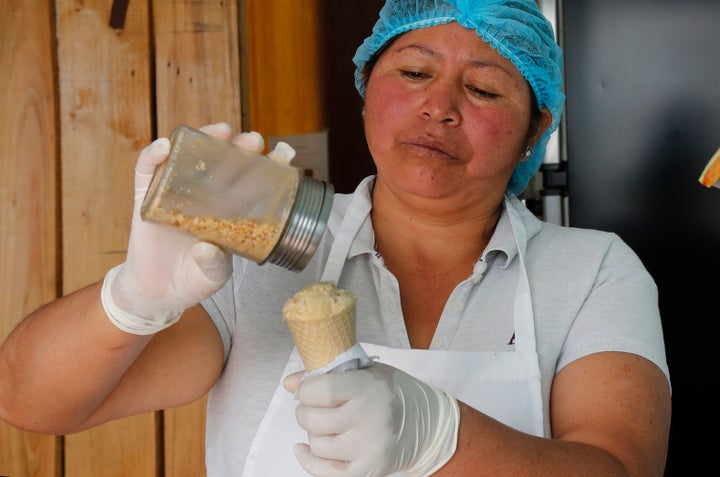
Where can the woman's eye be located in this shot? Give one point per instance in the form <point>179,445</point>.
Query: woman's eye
<point>481,93</point>
<point>415,75</point>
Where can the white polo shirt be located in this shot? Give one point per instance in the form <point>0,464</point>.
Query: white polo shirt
<point>590,293</point>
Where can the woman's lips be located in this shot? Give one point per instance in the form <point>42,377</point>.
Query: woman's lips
<point>429,147</point>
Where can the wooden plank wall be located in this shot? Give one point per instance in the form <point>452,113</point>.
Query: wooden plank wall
<point>28,197</point>
<point>80,98</point>
<point>285,69</point>
<point>105,84</point>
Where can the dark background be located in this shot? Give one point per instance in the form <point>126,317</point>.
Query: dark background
<point>347,24</point>
<point>642,120</point>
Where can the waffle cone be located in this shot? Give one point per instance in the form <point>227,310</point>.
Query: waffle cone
<point>321,319</point>
<point>711,174</point>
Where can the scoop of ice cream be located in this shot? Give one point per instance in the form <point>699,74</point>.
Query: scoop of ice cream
<point>318,301</point>
<point>321,318</point>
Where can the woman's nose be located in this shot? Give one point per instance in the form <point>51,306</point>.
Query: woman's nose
<point>441,104</point>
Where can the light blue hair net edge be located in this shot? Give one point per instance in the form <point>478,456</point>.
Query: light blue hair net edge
<point>524,171</point>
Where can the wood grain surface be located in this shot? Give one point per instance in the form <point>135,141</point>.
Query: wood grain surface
<point>28,199</point>
<point>198,82</point>
<point>86,85</point>
<point>104,81</point>
<point>284,66</point>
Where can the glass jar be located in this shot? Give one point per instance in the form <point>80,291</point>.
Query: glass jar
<point>244,202</point>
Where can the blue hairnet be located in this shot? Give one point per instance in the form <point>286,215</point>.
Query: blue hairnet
<point>517,29</point>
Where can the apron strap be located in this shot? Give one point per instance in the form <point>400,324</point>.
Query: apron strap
<point>522,311</point>
<point>358,210</point>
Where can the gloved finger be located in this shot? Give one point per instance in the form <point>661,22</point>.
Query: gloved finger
<point>282,153</point>
<point>292,381</point>
<point>252,141</point>
<point>332,389</point>
<point>349,447</point>
<point>152,155</point>
<point>324,421</point>
<point>149,157</point>
<point>317,466</point>
<point>214,263</point>
<point>218,130</point>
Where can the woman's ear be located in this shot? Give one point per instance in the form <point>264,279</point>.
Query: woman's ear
<point>539,123</point>
<point>543,125</point>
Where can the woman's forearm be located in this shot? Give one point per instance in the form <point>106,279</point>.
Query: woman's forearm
<point>61,362</point>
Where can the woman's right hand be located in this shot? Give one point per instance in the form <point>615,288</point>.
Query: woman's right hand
<point>166,270</point>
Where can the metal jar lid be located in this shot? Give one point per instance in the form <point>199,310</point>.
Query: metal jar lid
<point>305,225</point>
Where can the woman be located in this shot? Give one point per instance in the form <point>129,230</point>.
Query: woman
<point>502,345</point>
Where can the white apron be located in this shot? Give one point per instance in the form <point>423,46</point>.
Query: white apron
<point>503,385</point>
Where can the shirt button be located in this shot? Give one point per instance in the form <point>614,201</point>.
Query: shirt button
<point>458,305</point>
<point>439,343</point>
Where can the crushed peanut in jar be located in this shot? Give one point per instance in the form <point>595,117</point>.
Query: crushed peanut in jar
<point>248,237</point>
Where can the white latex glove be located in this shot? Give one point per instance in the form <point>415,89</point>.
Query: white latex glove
<point>373,422</point>
<point>282,153</point>
<point>166,269</point>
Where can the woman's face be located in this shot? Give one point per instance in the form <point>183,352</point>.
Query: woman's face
<point>446,115</point>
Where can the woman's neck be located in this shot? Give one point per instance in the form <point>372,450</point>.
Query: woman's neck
<point>429,256</point>
<point>432,230</point>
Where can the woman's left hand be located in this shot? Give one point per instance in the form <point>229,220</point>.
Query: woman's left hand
<point>373,422</point>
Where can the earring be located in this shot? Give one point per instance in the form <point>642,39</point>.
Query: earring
<point>526,154</point>
<point>362,113</point>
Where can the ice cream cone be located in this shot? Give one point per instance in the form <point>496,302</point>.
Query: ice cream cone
<point>711,174</point>
<point>321,318</point>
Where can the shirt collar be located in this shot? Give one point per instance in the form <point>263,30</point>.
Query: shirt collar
<point>502,240</point>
